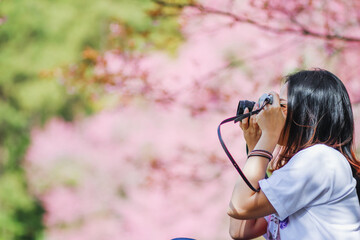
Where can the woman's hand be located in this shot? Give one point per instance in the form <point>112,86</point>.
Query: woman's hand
<point>264,132</point>
<point>271,119</point>
<point>251,130</point>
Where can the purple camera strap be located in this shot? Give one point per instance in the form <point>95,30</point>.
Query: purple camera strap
<point>237,119</point>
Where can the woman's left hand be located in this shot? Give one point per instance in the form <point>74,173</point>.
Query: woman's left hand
<point>251,130</point>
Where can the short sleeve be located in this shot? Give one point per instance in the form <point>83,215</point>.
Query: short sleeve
<point>303,182</point>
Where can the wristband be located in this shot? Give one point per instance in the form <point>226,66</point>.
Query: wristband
<point>260,153</point>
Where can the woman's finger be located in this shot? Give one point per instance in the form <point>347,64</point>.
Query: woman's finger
<point>245,121</point>
<point>252,117</point>
<point>254,109</point>
<point>258,116</point>
<point>253,121</point>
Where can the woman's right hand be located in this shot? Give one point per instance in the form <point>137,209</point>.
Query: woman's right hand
<point>271,120</point>
<point>252,132</point>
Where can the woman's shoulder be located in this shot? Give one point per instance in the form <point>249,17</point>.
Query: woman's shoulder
<point>320,155</point>
<point>318,150</point>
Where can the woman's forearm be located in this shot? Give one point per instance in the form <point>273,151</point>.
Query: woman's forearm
<point>247,229</point>
<point>244,202</point>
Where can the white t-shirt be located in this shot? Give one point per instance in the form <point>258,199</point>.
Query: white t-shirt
<point>314,196</point>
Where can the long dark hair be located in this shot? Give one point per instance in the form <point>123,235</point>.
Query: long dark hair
<point>318,111</point>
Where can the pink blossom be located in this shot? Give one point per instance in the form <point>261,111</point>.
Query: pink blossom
<point>153,167</point>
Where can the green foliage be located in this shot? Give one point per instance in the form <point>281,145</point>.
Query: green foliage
<point>38,39</point>
<point>17,207</point>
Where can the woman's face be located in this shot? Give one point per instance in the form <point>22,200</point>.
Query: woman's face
<point>283,105</point>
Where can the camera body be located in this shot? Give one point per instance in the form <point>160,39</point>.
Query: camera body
<point>250,104</point>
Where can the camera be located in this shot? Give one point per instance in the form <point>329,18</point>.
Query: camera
<point>250,104</point>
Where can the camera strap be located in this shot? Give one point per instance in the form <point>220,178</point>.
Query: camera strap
<point>237,119</point>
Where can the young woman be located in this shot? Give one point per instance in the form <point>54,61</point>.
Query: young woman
<point>311,193</point>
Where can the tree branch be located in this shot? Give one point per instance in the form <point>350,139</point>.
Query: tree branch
<point>302,30</point>
<point>176,5</point>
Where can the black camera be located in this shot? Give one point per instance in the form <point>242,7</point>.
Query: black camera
<point>250,104</point>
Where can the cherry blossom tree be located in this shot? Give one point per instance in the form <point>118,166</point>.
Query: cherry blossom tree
<point>150,165</point>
